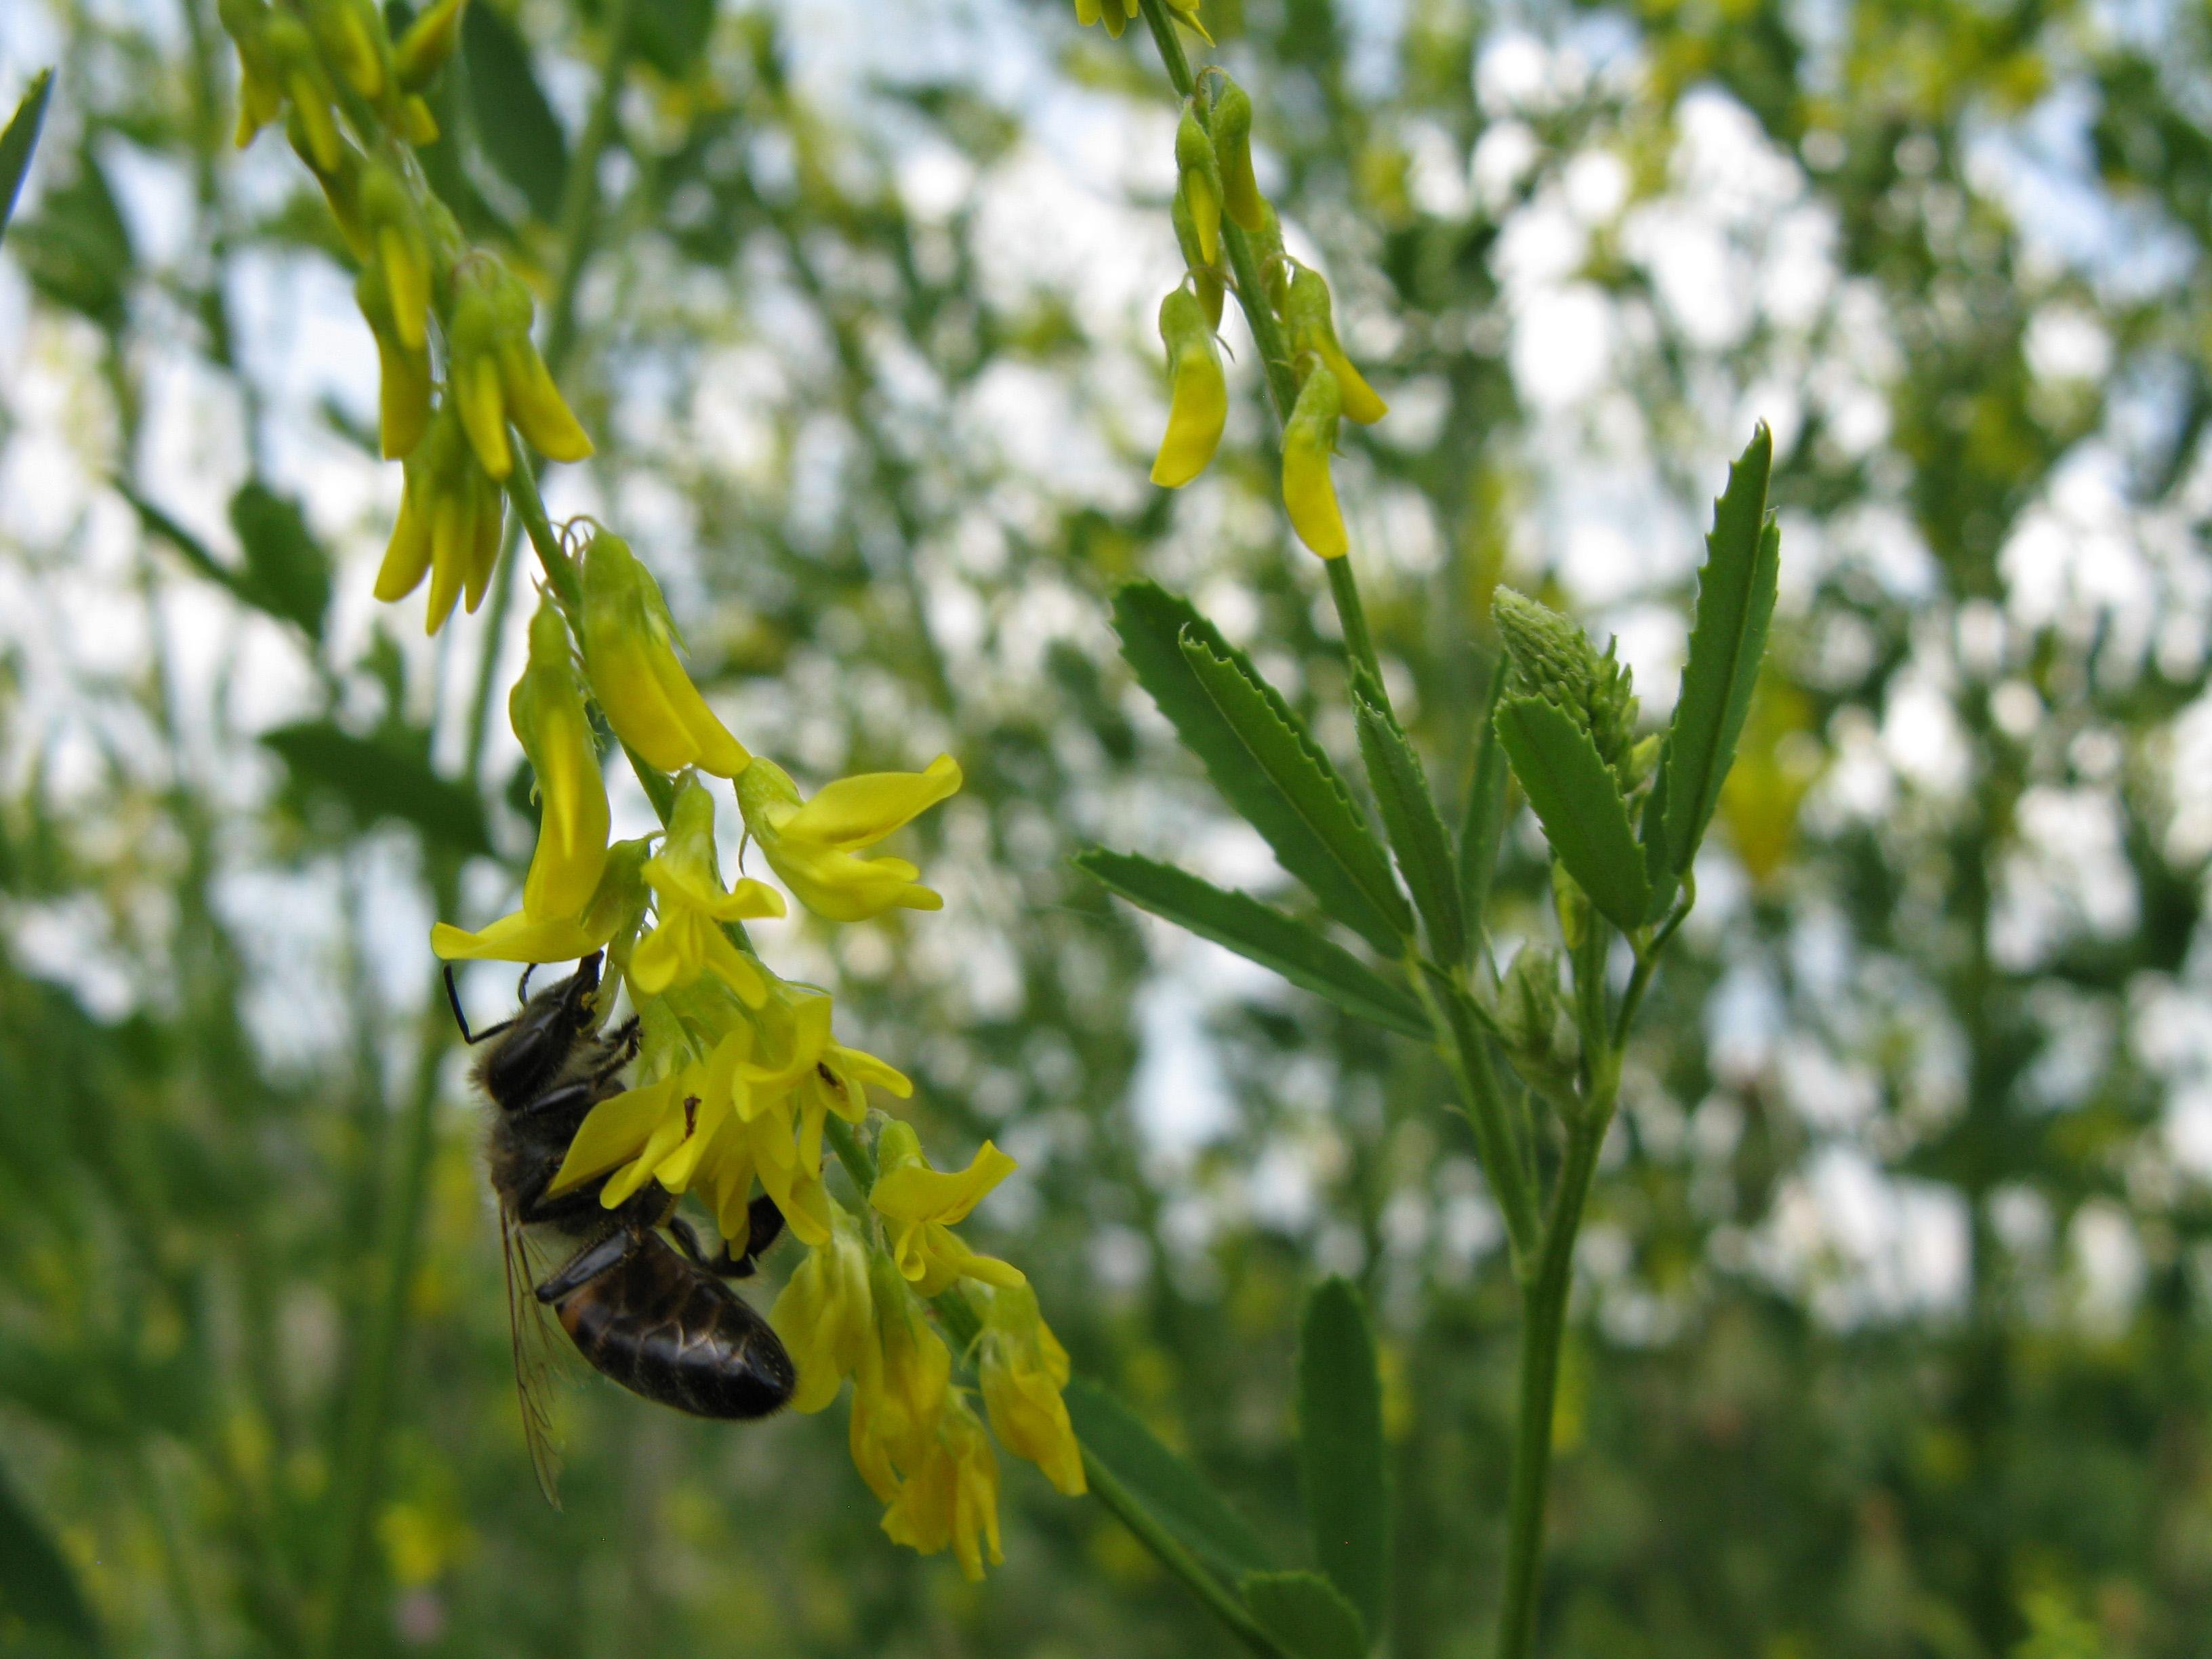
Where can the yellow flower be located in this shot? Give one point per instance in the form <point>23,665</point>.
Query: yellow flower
<point>403,252</point>
<point>448,524</point>
<point>1205,279</point>
<point>826,1315</point>
<point>629,650</point>
<point>691,907</point>
<point>1306,308</point>
<point>1199,406</point>
<point>547,710</point>
<point>1232,147</point>
<point>1022,1369</point>
<point>298,71</point>
<point>261,74</point>
<point>428,44</point>
<point>811,845</point>
<point>1198,175</point>
<point>1308,493</point>
<point>351,35</point>
<point>922,1206</point>
<point>952,1498</point>
<point>497,375</point>
<point>617,905</point>
<point>1114,14</point>
<point>404,371</point>
<point>900,1387</point>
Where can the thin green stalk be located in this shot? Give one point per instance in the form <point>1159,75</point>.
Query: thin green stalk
<point>579,226</point>
<point>1543,1329</point>
<point>1498,1143</point>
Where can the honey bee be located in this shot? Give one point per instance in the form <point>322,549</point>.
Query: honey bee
<point>655,1316</point>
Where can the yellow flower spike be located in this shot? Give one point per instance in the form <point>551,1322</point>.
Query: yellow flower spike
<point>1199,181</point>
<point>1308,493</point>
<point>688,939</point>
<point>811,845</point>
<point>403,252</point>
<point>616,910</point>
<point>403,374</point>
<point>1232,149</point>
<point>351,35</point>
<point>952,1499</point>
<point>629,651</point>
<point>547,710</point>
<point>1198,406</point>
<point>1022,1369</point>
<point>428,43</point>
<point>900,1391</point>
<point>826,1315</point>
<point>1306,310</point>
<point>923,1205</point>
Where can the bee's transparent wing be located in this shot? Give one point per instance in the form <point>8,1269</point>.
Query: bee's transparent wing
<point>532,1329</point>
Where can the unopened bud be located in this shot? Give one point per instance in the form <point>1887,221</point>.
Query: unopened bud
<point>1199,401</point>
<point>1198,180</point>
<point>1232,149</point>
<point>1309,492</point>
<point>428,43</point>
<point>1306,309</point>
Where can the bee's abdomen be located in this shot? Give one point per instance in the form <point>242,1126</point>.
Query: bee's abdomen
<point>667,1330</point>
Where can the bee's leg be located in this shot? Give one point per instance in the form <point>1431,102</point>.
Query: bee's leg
<point>569,1098</point>
<point>622,1048</point>
<point>586,1265</point>
<point>767,1227</point>
<point>688,1241</point>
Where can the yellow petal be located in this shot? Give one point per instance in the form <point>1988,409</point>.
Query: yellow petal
<point>1198,410</point>
<point>917,1194</point>
<point>613,1132</point>
<point>483,412</point>
<point>1309,496</point>
<point>407,555</point>
<point>516,937</point>
<point>540,411</point>
<point>861,810</point>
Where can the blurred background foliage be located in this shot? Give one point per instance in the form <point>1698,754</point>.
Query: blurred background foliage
<point>1892,1334</point>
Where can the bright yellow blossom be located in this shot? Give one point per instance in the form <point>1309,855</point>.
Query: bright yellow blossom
<point>1022,1369</point>
<point>629,650</point>
<point>691,907</point>
<point>1306,309</point>
<point>1198,407</point>
<point>1309,492</point>
<point>923,1205</point>
<point>952,1498</point>
<point>811,844</point>
<point>617,906</point>
<point>497,375</point>
<point>826,1315</point>
<point>1198,180</point>
<point>547,710</point>
<point>404,371</point>
<point>448,524</point>
<point>901,1385</point>
<point>1114,14</point>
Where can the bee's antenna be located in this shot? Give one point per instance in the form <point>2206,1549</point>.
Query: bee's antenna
<point>453,998</point>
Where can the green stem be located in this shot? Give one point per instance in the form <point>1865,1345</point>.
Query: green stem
<point>1543,1329</point>
<point>1170,1555</point>
<point>1497,1139</point>
<point>529,510</point>
<point>579,235</point>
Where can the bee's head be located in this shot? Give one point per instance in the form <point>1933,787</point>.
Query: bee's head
<point>528,1051</point>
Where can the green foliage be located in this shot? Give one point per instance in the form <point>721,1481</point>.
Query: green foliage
<point>1577,800</point>
<point>381,779</point>
<point>1173,1491</point>
<point>19,139</point>
<point>38,1590</point>
<point>1255,930</point>
<point>1415,827</point>
<point>1340,1454</point>
<point>1306,1614</point>
<point>514,124</point>
<point>75,248</point>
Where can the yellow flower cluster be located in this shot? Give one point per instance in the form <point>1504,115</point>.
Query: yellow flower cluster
<point>739,1072</point>
<point>1216,185</point>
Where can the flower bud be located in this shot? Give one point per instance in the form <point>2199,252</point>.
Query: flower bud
<point>428,43</point>
<point>629,652</point>
<point>1204,280</point>
<point>415,122</point>
<point>1114,14</point>
<point>448,524</point>
<point>402,252</point>
<point>1553,657</point>
<point>350,33</point>
<point>1022,1369</point>
<point>498,376</point>
<point>1199,405</point>
<point>1198,179</point>
<point>1308,493</point>
<point>1533,1022</point>
<point>260,76</point>
<point>1306,310</point>
<point>403,373</point>
<point>1232,149</point>
<point>300,73</point>
<point>1572,906</point>
<point>547,710</point>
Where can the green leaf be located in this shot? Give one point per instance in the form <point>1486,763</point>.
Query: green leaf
<point>286,567</point>
<point>76,248</point>
<point>378,778</point>
<point>1484,825</point>
<point>19,140</point>
<point>671,36</point>
<point>1259,933</point>
<point>1176,1494</point>
<point>1306,1614</point>
<point>516,126</point>
<point>1155,627</point>
<point>1735,602</point>
<point>38,1587</point>
<point>1341,1448</point>
<point>1416,828</point>
<point>1577,800</point>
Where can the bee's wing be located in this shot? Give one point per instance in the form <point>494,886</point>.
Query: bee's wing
<point>531,1330</point>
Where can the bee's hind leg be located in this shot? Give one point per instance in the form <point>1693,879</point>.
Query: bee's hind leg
<point>586,1265</point>
<point>767,1227</point>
